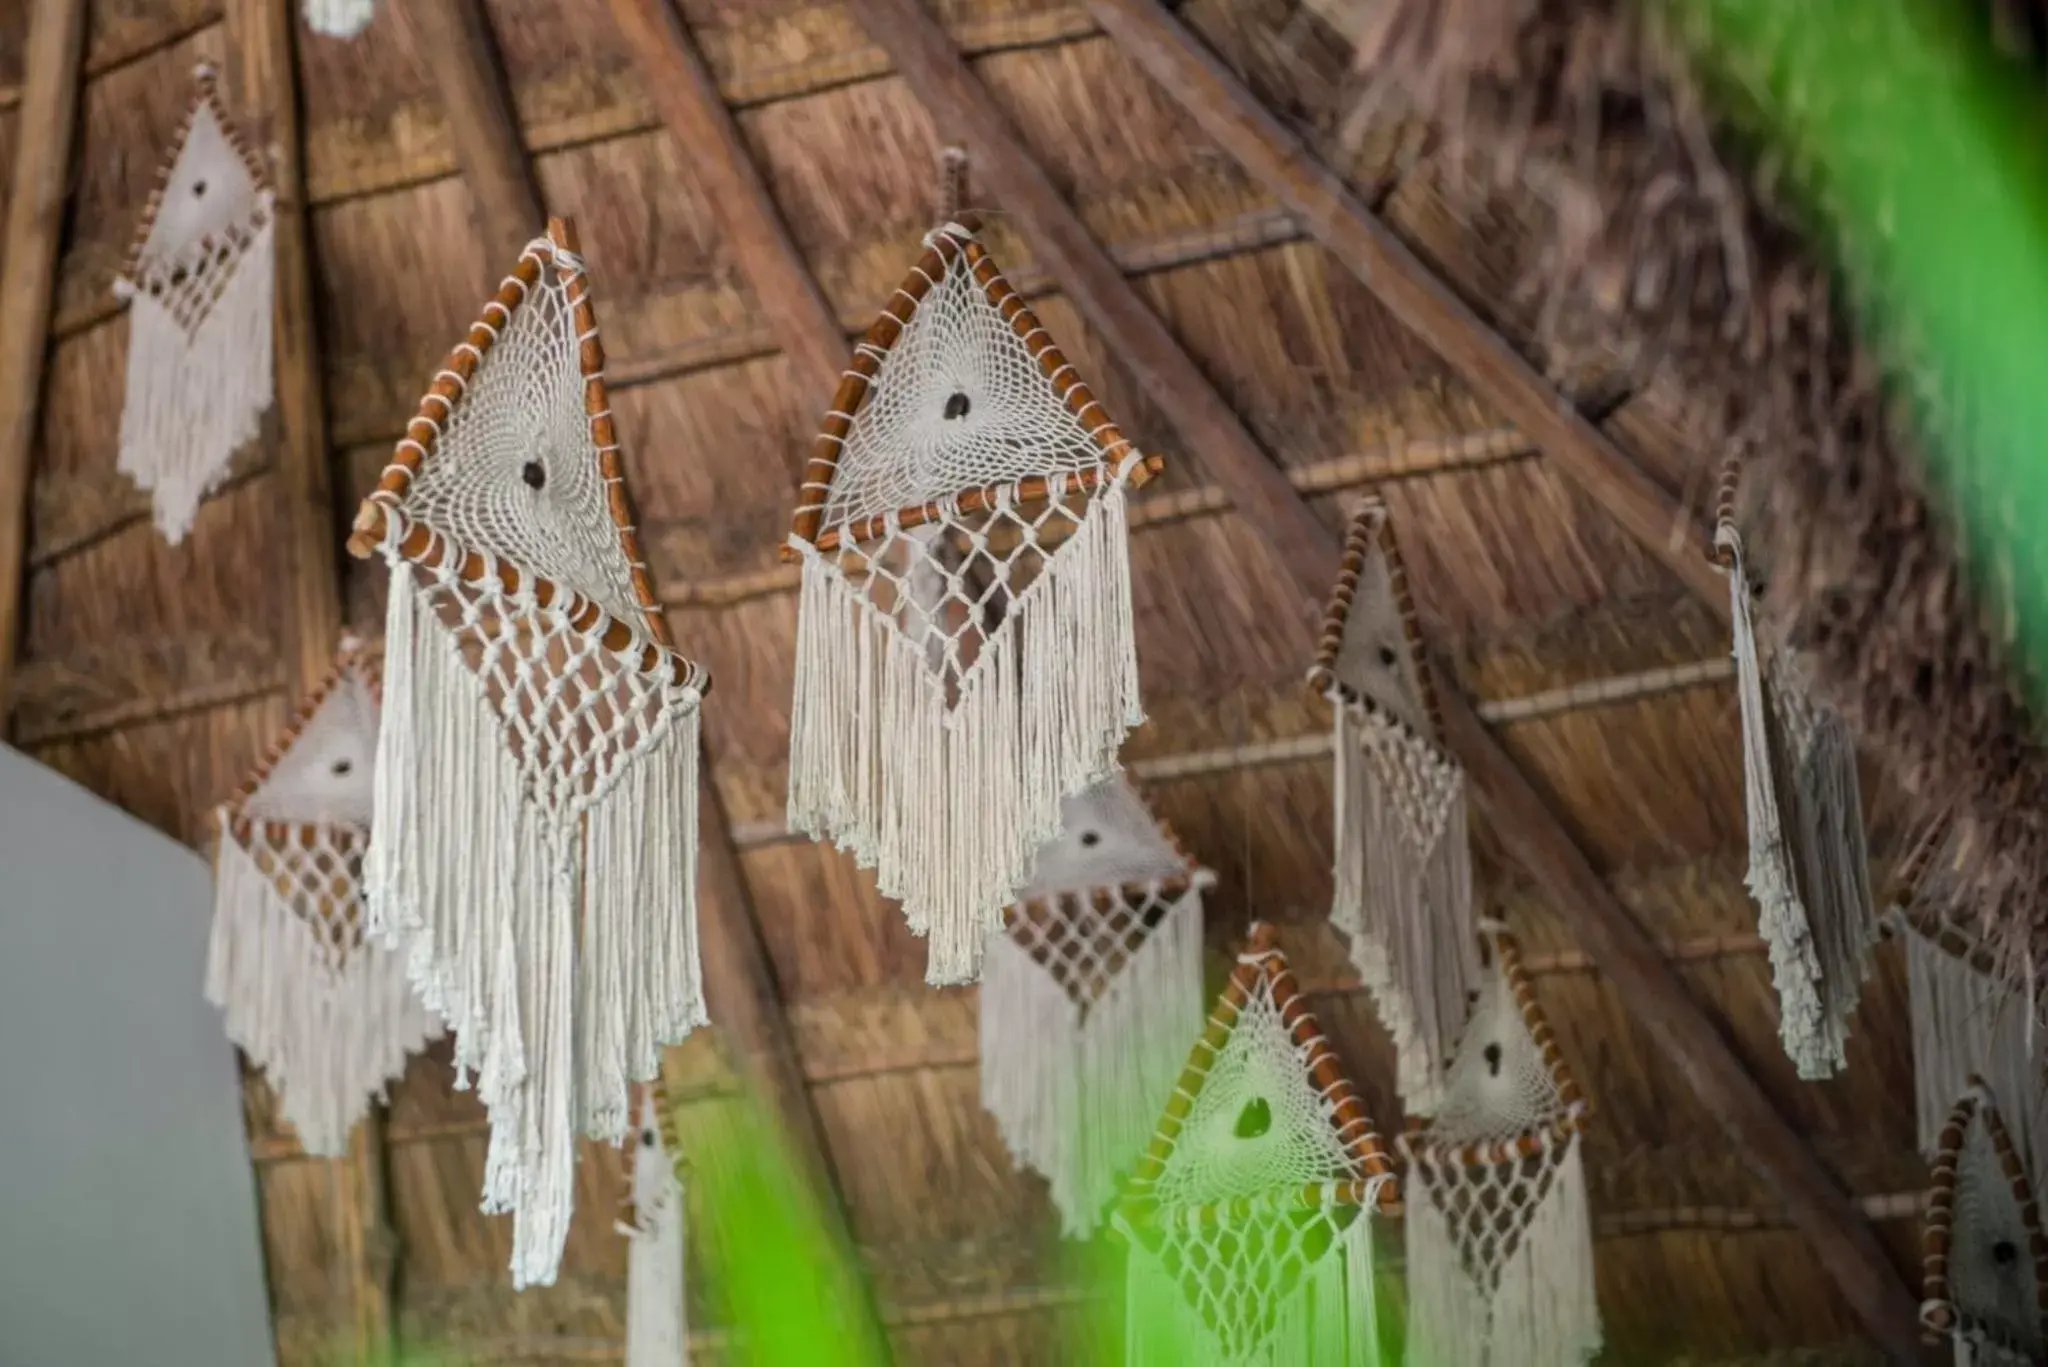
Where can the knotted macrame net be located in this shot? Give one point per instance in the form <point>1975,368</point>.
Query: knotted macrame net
<point>339,18</point>
<point>1500,1244</point>
<point>1251,1240</point>
<point>1970,1019</point>
<point>536,789</point>
<point>327,1016</point>
<point>1403,893</point>
<point>1809,870</point>
<point>657,1317</point>
<point>199,284</point>
<point>964,654</point>
<point>1985,1287</point>
<point>1090,997</point>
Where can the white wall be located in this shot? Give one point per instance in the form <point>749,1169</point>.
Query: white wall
<point>128,1229</point>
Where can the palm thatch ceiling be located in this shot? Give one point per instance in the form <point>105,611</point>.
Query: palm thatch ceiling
<point>1294,301</point>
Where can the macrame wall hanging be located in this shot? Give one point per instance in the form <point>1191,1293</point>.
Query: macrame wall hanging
<point>657,1317</point>
<point>1969,1017</point>
<point>1984,1257</point>
<point>199,283</point>
<point>1500,1244</point>
<point>964,654</point>
<point>1249,1217</point>
<point>1090,997</point>
<point>1404,863</point>
<point>328,1016</point>
<point>339,18</point>
<point>536,799</point>
<point>1808,868</point>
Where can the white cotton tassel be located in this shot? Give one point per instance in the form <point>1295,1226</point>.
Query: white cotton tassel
<point>1075,1094</point>
<point>657,1322</point>
<point>1969,1023</point>
<point>950,800</point>
<point>529,933</point>
<point>1773,879</point>
<point>329,1030</point>
<point>339,18</point>
<point>194,399</point>
<point>1403,893</point>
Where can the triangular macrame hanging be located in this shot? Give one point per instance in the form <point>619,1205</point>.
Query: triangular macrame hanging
<point>1249,1217</point>
<point>199,283</point>
<point>1500,1244</point>
<point>1809,870</point>
<point>964,654</point>
<point>536,798</point>
<point>339,18</point>
<point>1984,1256</point>
<point>328,1016</point>
<point>1403,860</point>
<point>1089,998</point>
<point>657,1319</point>
<point>1970,1018</point>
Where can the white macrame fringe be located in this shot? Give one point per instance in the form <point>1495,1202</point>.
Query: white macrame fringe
<point>328,1039</point>
<point>194,400</point>
<point>950,805</point>
<point>1964,1023</point>
<point>1773,879</point>
<point>1544,1311</point>
<point>1407,914</point>
<point>528,930</point>
<point>1075,1094</point>
<point>1976,1351</point>
<point>1327,1319</point>
<point>339,18</point>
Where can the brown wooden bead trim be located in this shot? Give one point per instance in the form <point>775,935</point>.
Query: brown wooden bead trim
<point>383,511</point>
<point>1726,488</point>
<point>1938,1312</point>
<point>1953,939</point>
<point>951,244</point>
<point>351,658</point>
<point>1195,875</point>
<point>1262,958</point>
<point>206,96</point>
<point>655,1089</point>
<point>1371,531</point>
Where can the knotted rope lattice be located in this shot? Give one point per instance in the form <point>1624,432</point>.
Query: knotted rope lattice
<point>537,778</point>
<point>964,653</point>
<point>1089,999</point>
<point>1248,1218</point>
<point>328,1017</point>
<point>199,284</point>
<point>1500,1244</point>
<point>1984,1256</point>
<point>1403,860</point>
<point>1808,865</point>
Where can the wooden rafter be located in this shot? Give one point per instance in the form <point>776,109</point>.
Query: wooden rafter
<point>55,62</point>
<point>1653,992</point>
<point>1097,289</point>
<point>454,41</point>
<point>1182,66</point>
<point>263,85</point>
<point>688,102</point>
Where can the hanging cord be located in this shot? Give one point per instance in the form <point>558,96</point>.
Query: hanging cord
<point>952,196</point>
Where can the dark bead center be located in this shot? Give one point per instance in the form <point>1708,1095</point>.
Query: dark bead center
<point>535,474</point>
<point>1493,1059</point>
<point>957,405</point>
<point>341,767</point>
<point>1255,1119</point>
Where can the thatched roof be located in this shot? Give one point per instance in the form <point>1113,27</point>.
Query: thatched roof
<point>157,675</point>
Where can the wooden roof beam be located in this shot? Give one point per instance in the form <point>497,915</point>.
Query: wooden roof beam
<point>687,99</point>
<point>454,42</point>
<point>1184,67</point>
<point>1650,987</point>
<point>55,62</point>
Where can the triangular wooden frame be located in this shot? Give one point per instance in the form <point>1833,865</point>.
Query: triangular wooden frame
<point>207,96</point>
<point>1903,915</point>
<point>384,508</point>
<point>951,247</point>
<point>1195,875</point>
<point>1938,1313</point>
<point>1262,958</point>
<point>1499,951</point>
<point>1372,533</point>
<point>351,657</point>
